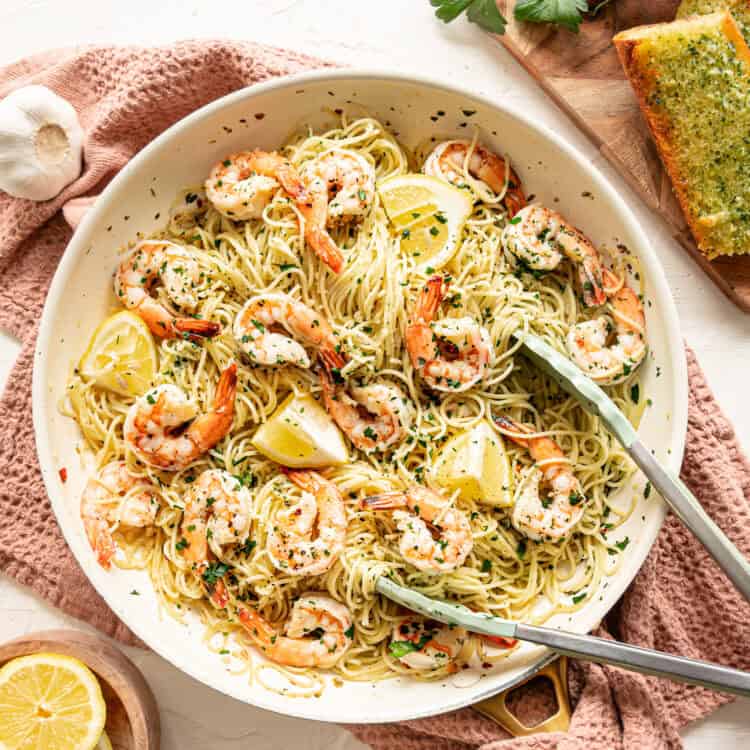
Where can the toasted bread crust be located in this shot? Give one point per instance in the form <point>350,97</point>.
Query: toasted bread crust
<point>643,79</point>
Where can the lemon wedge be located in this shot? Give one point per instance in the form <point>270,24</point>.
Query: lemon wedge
<point>428,215</point>
<point>475,463</point>
<point>104,743</point>
<point>301,434</point>
<point>121,355</point>
<point>50,702</point>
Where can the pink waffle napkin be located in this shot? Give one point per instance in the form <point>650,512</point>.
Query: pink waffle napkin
<point>680,601</point>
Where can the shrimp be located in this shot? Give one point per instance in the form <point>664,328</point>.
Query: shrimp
<point>242,185</point>
<point>424,645</point>
<point>255,329</point>
<point>218,508</point>
<point>443,551</point>
<point>587,342</point>
<point>179,272</point>
<point>303,645</point>
<point>115,495</point>
<point>349,181</point>
<point>374,417</point>
<point>554,516</point>
<point>541,237</point>
<point>155,425</point>
<point>452,354</point>
<point>450,160</point>
<point>320,509</point>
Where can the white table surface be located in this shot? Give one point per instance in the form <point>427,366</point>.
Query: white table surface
<point>401,35</point>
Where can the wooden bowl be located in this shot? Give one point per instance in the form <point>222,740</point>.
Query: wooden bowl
<point>132,713</point>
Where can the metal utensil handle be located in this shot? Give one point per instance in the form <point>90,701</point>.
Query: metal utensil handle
<point>691,513</point>
<point>595,401</point>
<point>636,659</point>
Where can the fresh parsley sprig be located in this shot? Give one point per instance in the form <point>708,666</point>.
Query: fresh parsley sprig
<point>484,13</point>
<point>562,12</point>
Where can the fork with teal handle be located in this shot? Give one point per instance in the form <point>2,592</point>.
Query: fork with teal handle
<point>670,487</point>
<point>586,647</point>
<point>675,493</point>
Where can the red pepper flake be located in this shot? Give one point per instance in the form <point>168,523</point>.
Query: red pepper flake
<point>63,475</point>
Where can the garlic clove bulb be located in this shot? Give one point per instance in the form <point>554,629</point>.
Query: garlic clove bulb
<point>41,143</point>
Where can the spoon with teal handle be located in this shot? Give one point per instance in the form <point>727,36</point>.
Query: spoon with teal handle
<point>670,487</point>
<point>587,647</point>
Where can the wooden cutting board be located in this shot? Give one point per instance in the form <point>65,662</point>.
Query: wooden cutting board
<point>582,74</point>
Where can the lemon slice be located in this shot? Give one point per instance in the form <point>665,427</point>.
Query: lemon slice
<point>428,215</point>
<point>301,434</point>
<point>50,702</point>
<point>104,743</point>
<point>121,355</point>
<point>475,463</point>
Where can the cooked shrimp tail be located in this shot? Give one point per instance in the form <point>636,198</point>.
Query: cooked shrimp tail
<point>99,536</point>
<point>177,269</point>
<point>540,238</point>
<point>312,203</point>
<point>349,181</point>
<point>216,508</point>
<point>449,159</point>
<point>607,356</point>
<point>243,184</point>
<point>339,187</point>
<point>155,424</point>
<point>435,537</point>
<point>384,501</point>
<point>429,301</point>
<point>261,326</point>
<point>308,535</point>
<point>209,428</point>
<point>554,515</point>
<point>374,417</point>
<point>115,495</point>
<point>196,329</point>
<point>325,248</point>
<point>317,634</point>
<point>333,360</point>
<point>218,594</point>
<point>452,354</point>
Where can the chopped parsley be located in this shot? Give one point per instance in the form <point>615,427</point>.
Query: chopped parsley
<point>402,648</point>
<point>214,572</point>
<point>248,546</point>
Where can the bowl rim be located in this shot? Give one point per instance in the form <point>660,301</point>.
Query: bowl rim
<point>660,290</point>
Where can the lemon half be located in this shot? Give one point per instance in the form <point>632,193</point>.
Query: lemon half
<point>301,434</point>
<point>121,355</point>
<point>475,463</point>
<point>428,214</point>
<point>50,702</point>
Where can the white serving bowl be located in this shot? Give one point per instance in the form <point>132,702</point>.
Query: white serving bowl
<point>138,199</point>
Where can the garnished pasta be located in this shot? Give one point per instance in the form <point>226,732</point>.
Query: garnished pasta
<point>369,306</point>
